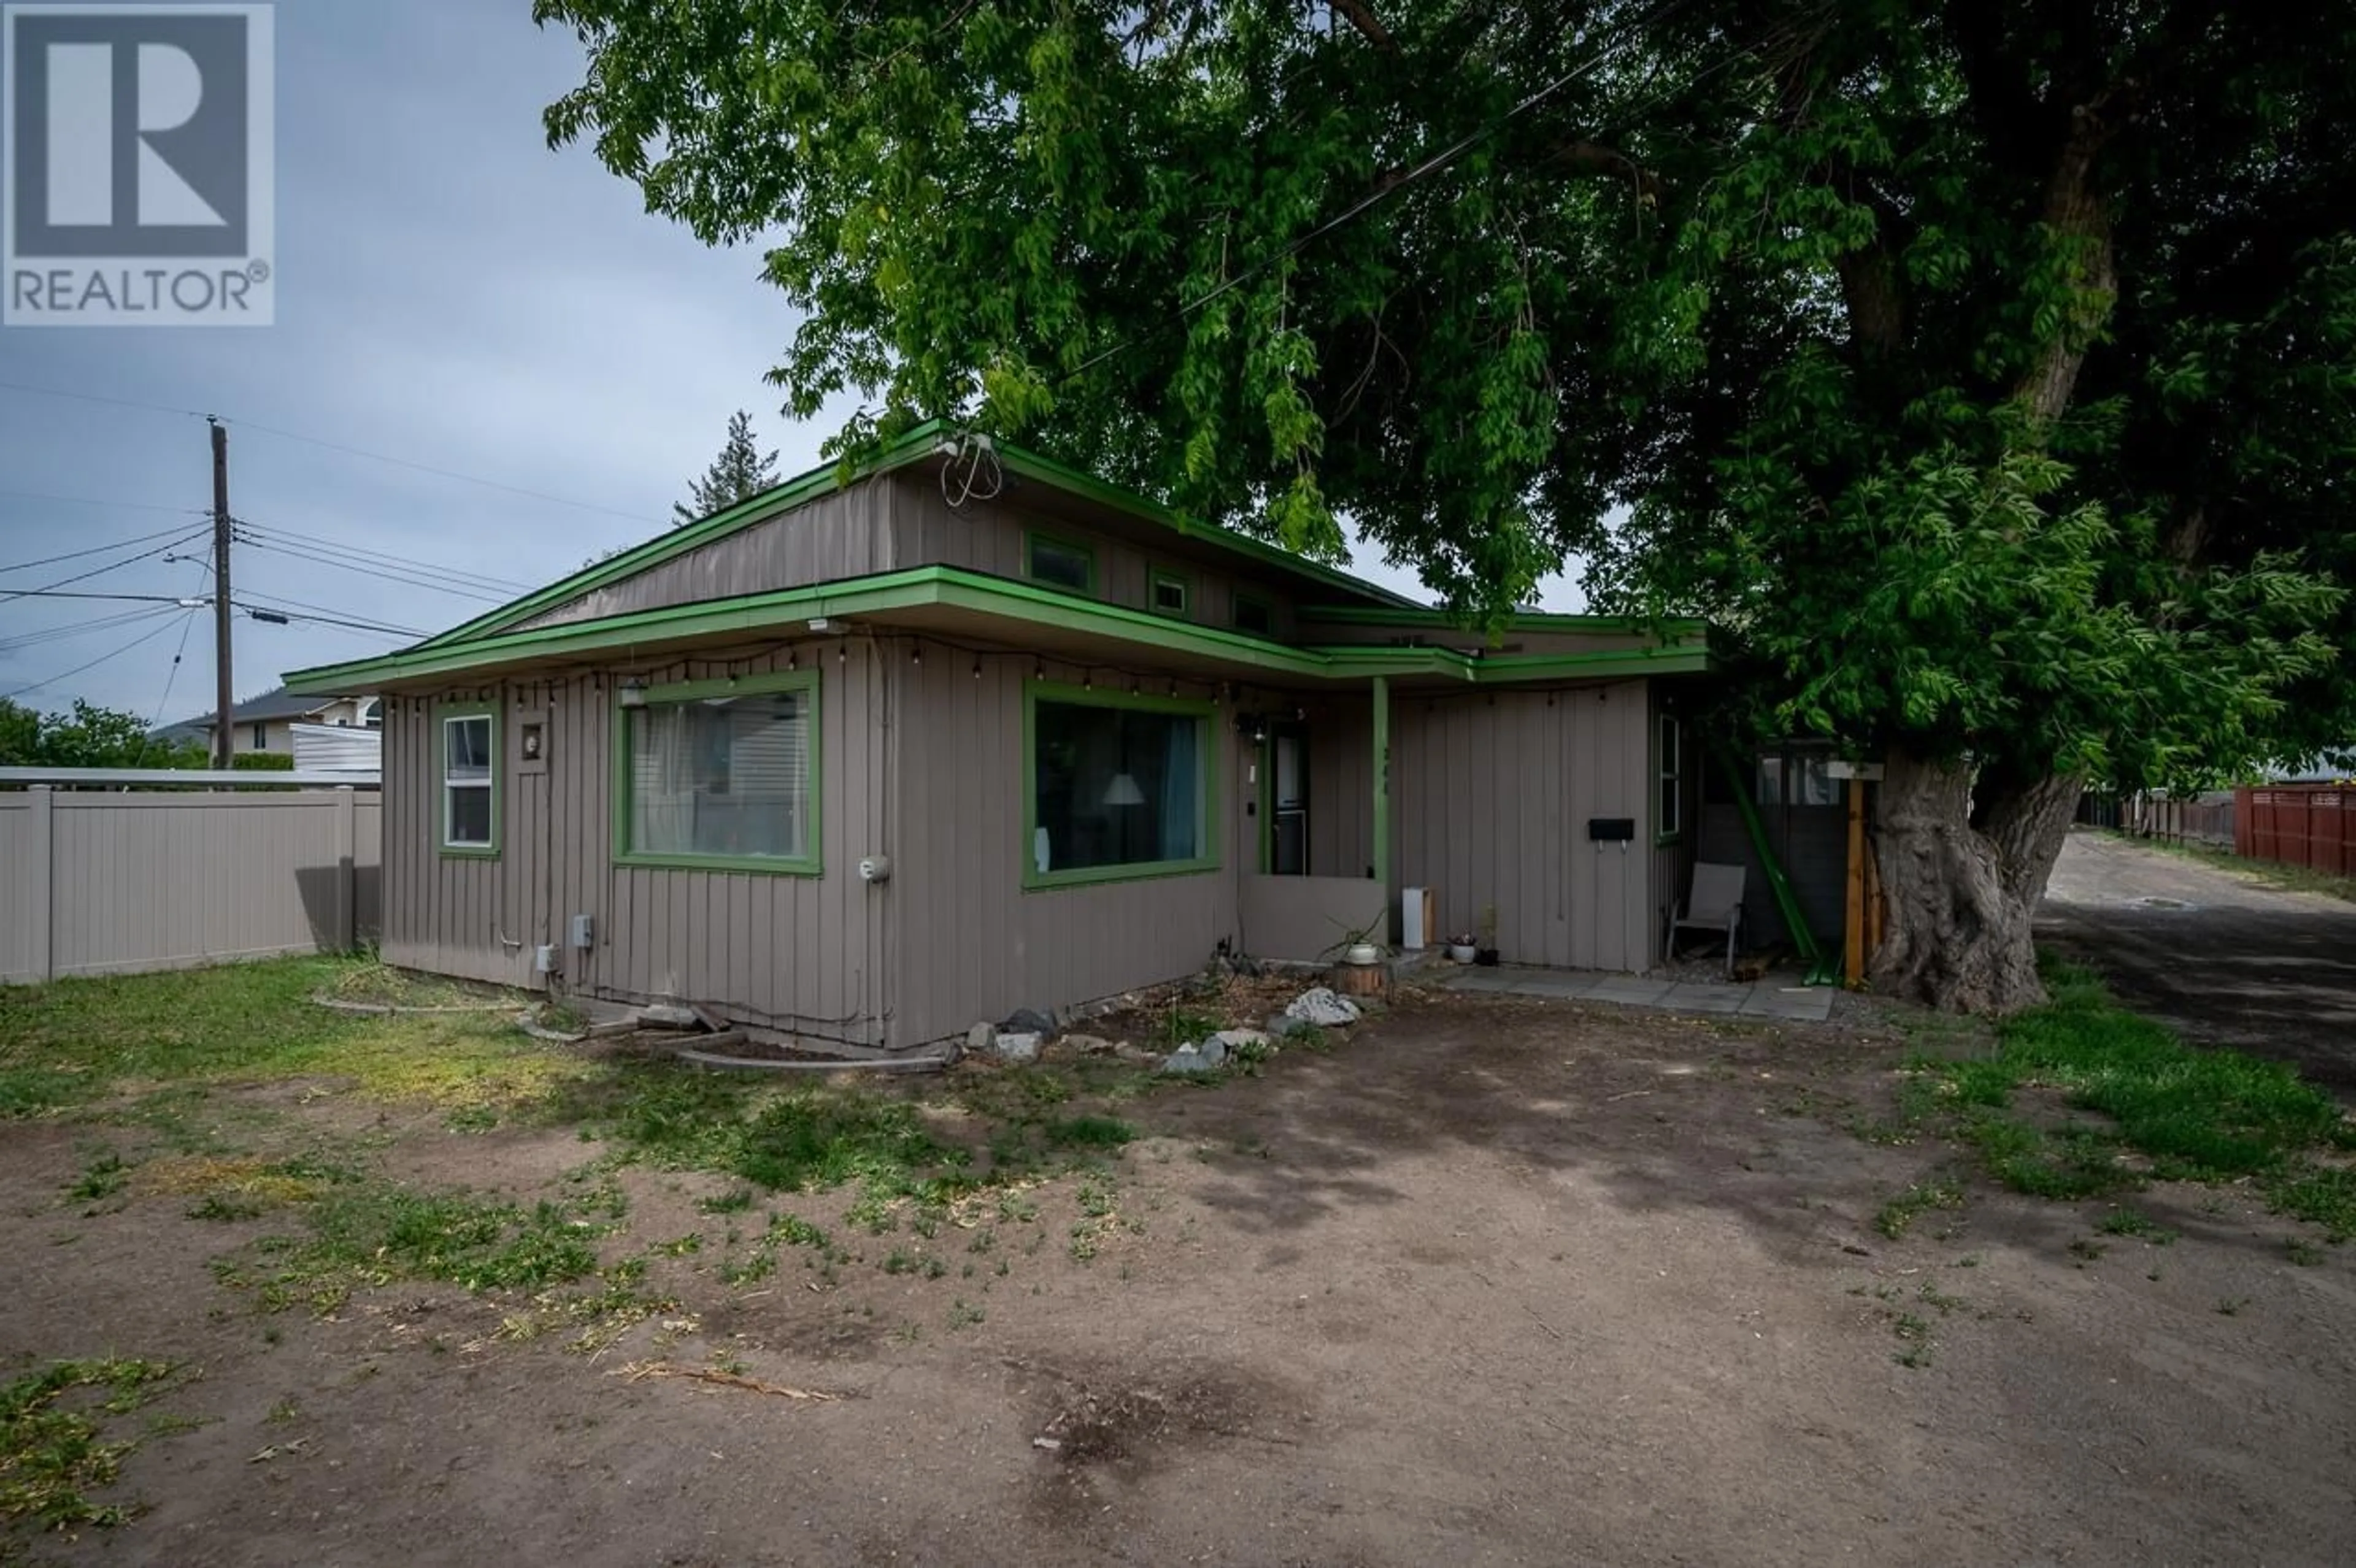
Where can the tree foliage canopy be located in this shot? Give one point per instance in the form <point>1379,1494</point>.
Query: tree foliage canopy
<point>1983,367</point>
<point>87,737</point>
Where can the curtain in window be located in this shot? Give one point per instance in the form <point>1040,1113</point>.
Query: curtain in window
<point>1179,779</point>
<point>725,776</point>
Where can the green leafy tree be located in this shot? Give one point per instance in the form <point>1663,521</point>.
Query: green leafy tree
<point>740,471</point>
<point>85,737</point>
<point>1982,368</point>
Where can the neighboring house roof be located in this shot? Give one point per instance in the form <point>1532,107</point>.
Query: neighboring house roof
<point>279,702</point>
<point>508,636</point>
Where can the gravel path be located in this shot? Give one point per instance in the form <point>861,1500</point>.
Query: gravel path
<point>2224,958</point>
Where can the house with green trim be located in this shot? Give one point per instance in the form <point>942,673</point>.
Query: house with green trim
<point>879,754</point>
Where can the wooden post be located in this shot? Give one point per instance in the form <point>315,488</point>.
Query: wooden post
<point>41,897</point>
<point>1853,928</point>
<point>347,867</point>
<point>1383,791</point>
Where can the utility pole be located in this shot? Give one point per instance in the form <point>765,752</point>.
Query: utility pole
<point>223,697</point>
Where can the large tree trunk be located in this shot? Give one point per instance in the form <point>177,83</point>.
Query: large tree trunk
<point>1962,887</point>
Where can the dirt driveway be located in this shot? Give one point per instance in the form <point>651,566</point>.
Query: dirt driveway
<point>1490,1282</point>
<point>2221,956</point>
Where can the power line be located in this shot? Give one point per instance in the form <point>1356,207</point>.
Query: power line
<point>331,610</point>
<point>77,554</point>
<point>99,571</point>
<point>71,594</point>
<point>117,653</point>
<point>80,628</point>
<point>273,612</point>
<point>171,676</point>
<point>110,506</point>
<point>92,398</point>
<point>313,541</point>
<point>442,473</point>
<point>381,573</point>
<point>328,446</point>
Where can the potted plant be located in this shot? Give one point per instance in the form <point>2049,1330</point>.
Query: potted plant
<point>1485,951</point>
<point>1462,948</point>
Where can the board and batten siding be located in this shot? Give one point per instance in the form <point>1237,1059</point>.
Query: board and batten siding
<point>1490,801</point>
<point>828,540</point>
<point>973,943</point>
<point>990,537</point>
<point>799,953</point>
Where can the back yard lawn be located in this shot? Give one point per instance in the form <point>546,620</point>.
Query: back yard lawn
<point>1503,1281</point>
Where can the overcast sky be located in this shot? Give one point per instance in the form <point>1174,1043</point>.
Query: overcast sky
<point>451,293</point>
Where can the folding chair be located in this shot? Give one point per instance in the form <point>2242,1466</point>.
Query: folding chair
<point>1714,905</point>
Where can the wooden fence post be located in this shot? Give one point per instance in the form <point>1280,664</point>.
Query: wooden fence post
<point>42,899</point>
<point>347,869</point>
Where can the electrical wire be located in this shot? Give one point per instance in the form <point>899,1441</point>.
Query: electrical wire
<point>275,599</point>
<point>320,441</point>
<point>381,574</point>
<point>80,628</point>
<point>171,677</point>
<point>376,557</point>
<point>92,398</point>
<point>101,570</point>
<point>109,505</point>
<point>259,611</point>
<point>78,554</point>
<point>115,654</point>
<point>77,594</point>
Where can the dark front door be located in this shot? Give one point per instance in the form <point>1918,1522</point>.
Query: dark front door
<point>1288,850</point>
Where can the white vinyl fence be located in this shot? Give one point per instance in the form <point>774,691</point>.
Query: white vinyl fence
<point>115,882</point>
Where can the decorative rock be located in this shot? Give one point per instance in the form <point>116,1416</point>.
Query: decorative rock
<point>1207,1057</point>
<point>1021,1045</point>
<point>1230,1040</point>
<point>665,1015</point>
<point>981,1038</point>
<point>1284,1026</point>
<point>1029,1020</point>
<point>1320,1006</point>
<point>1090,1044</point>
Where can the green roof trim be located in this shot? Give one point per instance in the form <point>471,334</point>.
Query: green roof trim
<point>802,487</point>
<point>1047,471</point>
<point>912,446</point>
<point>954,588</point>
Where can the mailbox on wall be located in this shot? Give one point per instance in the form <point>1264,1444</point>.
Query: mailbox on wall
<point>1611,829</point>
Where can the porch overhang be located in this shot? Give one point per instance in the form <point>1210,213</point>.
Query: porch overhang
<point>959,605</point>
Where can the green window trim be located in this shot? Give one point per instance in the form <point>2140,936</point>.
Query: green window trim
<point>443,714</point>
<point>1266,608</point>
<point>1162,577</point>
<point>1207,756</point>
<point>810,865</point>
<point>1033,538</point>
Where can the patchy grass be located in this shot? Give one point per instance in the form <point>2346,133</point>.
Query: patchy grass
<point>2130,1223</point>
<point>75,1042</point>
<point>53,1447</point>
<point>1898,1216</point>
<point>2135,1104</point>
<point>377,1233</point>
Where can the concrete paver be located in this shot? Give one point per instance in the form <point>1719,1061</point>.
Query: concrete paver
<point>1777,997</point>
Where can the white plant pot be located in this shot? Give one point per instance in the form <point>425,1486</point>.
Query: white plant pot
<point>1363,953</point>
<point>1461,951</point>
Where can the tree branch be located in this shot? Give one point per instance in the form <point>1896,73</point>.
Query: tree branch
<point>1357,14</point>
<point>1582,156</point>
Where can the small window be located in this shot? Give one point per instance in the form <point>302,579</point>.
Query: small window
<point>1812,781</point>
<point>1170,593</point>
<point>1672,822</point>
<point>1119,787</point>
<point>1059,563</point>
<point>469,782</point>
<point>1255,616</point>
<point>722,774</point>
<point>262,737</point>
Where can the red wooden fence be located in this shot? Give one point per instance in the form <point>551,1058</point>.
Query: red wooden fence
<point>2298,824</point>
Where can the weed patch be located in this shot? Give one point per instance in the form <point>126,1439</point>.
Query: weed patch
<point>1898,1216</point>
<point>376,1233</point>
<point>2164,1111</point>
<point>53,1449</point>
